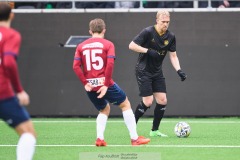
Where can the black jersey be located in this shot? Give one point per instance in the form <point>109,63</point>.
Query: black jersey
<point>149,38</point>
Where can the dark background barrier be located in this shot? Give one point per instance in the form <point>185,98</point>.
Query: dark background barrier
<point>207,46</point>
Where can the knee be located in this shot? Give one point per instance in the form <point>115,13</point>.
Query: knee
<point>125,105</point>
<point>26,127</point>
<point>148,103</point>
<point>162,101</point>
<point>106,110</point>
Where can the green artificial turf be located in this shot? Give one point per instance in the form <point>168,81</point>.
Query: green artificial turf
<point>70,138</point>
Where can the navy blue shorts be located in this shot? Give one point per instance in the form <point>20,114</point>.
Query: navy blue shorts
<point>115,95</point>
<point>12,112</point>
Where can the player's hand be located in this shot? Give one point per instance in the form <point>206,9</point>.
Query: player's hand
<point>23,98</point>
<point>88,87</point>
<point>102,91</point>
<point>152,53</point>
<point>182,75</point>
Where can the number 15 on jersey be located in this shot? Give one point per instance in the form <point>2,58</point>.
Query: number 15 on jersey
<point>93,59</point>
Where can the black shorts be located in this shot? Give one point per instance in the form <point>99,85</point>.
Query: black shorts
<point>149,83</point>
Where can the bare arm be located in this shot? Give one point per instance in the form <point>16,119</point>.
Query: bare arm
<point>174,60</point>
<point>136,48</point>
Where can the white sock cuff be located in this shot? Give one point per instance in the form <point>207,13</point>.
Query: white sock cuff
<point>29,136</point>
<point>128,112</point>
<point>102,116</point>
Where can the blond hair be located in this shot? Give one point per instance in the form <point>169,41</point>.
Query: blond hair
<point>162,13</point>
<point>97,25</point>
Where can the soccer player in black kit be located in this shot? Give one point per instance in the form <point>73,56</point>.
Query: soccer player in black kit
<point>152,44</point>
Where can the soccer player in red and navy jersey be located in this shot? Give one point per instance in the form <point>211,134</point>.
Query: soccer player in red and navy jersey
<point>93,64</point>
<point>12,95</point>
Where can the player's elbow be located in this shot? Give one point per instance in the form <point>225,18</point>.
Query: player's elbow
<point>110,64</point>
<point>75,68</point>
<point>76,65</point>
<point>131,45</point>
<point>9,63</point>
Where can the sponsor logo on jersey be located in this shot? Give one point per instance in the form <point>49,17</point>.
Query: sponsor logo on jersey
<point>93,45</point>
<point>97,81</point>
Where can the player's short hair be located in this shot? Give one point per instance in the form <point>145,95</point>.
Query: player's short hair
<point>5,10</point>
<point>97,25</point>
<point>161,13</point>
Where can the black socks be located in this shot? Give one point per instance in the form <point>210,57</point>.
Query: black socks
<point>140,110</point>
<point>158,115</point>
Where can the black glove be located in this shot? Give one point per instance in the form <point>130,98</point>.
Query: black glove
<point>152,53</point>
<point>182,75</point>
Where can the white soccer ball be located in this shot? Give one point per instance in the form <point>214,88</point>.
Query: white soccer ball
<point>182,129</point>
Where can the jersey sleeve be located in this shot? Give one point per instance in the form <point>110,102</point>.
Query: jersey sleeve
<point>110,64</point>
<point>172,48</point>
<point>77,68</point>
<point>10,52</point>
<point>141,38</point>
<point>111,51</point>
<point>12,44</point>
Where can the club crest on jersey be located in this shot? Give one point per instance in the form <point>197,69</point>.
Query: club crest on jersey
<point>166,42</point>
<point>153,40</point>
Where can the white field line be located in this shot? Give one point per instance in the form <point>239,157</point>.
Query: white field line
<point>143,121</point>
<point>146,121</point>
<point>155,146</point>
